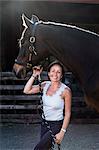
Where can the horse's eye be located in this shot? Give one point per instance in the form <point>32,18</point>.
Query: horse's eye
<point>32,39</point>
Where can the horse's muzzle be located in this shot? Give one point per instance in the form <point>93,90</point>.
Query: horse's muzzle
<point>19,70</point>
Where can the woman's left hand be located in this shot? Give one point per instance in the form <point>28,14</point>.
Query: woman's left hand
<point>59,137</point>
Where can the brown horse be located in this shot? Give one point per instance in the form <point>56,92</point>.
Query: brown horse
<point>76,48</point>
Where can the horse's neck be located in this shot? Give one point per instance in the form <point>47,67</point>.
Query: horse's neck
<point>61,43</point>
<point>73,47</point>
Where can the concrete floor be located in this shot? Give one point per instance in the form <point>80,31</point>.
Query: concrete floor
<point>24,137</point>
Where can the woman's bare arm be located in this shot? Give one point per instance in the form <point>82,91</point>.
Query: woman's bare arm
<point>67,99</point>
<point>29,87</point>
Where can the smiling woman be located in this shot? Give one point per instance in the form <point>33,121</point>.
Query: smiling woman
<point>56,97</point>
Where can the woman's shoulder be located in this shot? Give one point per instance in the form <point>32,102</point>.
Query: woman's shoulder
<point>66,90</point>
<point>45,83</point>
<point>65,87</point>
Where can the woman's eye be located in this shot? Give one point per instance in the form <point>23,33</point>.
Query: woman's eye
<point>59,72</point>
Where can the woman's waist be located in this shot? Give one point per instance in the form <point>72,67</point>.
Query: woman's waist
<point>53,116</point>
<point>52,121</point>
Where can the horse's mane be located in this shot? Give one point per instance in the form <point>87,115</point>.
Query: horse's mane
<point>69,26</point>
<point>51,23</point>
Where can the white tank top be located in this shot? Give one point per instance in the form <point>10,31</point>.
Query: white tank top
<point>53,105</point>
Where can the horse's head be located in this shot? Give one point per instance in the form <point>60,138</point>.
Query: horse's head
<point>31,50</point>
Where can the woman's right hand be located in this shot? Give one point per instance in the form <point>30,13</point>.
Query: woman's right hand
<point>29,88</point>
<point>37,71</point>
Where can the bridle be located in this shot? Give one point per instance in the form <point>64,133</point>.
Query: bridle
<point>31,48</point>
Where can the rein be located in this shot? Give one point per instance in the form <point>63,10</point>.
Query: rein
<point>46,123</point>
<point>32,50</point>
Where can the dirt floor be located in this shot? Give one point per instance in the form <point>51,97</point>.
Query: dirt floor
<point>25,137</point>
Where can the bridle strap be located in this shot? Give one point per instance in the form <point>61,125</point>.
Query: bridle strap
<point>32,42</point>
<point>34,28</point>
<point>19,62</point>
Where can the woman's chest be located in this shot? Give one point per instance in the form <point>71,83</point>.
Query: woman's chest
<point>53,101</point>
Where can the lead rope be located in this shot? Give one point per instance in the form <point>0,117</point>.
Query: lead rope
<point>47,124</point>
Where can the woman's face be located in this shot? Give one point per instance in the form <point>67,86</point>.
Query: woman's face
<point>55,73</point>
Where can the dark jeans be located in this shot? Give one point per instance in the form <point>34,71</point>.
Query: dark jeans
<point>46,140</point>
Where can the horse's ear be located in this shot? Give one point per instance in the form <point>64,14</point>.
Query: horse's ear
<point>34,19</point>
<point>26,22</point>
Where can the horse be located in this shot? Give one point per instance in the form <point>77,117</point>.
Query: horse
<point>76,48</point>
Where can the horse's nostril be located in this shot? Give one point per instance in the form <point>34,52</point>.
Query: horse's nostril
<point>19,71</point>
<point>23,73</point>
<point>18,75</point>
<point>15,71</point>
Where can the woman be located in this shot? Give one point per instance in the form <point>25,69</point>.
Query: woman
<point>56,98</point>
